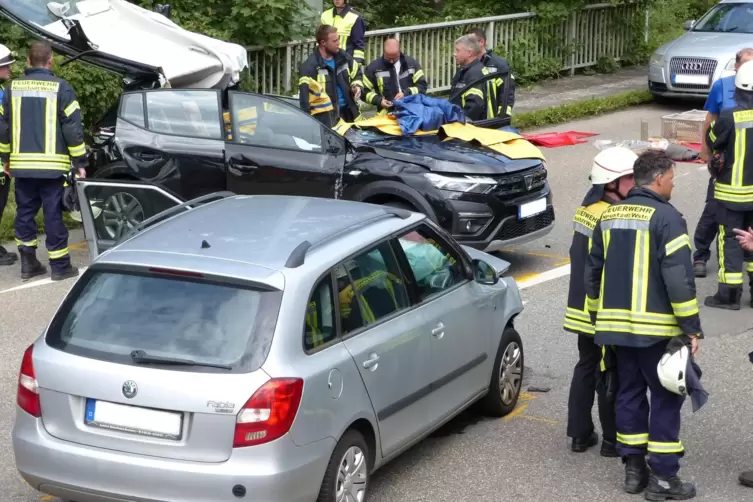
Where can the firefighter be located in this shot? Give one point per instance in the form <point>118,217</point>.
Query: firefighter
<point>473,99</point>
<point>330,81</point>
<point>41,136</point>
<point>6,61</point>
<point>495,88</point>
<point>612,179</point>
<point>393,76</point>
<point>641,294</point>
<point>351,28</point>
<point>721,96</point>
<point>733,189</point>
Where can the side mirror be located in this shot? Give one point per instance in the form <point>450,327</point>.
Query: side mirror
<point>484,273</point>
<point>333,143</point>
<point>688,25</point>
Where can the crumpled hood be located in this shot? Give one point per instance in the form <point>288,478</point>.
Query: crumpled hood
<point>124,37</point>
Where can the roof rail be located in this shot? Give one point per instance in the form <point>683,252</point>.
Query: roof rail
<point>188,205</point>
<point>298,255</point>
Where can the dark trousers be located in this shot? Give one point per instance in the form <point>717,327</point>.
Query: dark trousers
<point>582,389</point>
<point>732,258</point>
<point>346,115</point>
<point>4,191</point>
<point>707,228</point>
<point>642,428</point>
<point>31,194</point>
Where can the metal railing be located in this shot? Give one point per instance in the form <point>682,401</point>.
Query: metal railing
<point>596,31</point>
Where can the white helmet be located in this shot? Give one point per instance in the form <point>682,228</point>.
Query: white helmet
<point>744,77</point>
<point>672,369</point>
<point>612,163</point>
<point>6,56</point>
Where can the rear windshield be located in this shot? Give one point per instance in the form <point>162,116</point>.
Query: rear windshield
<point>112,314</point>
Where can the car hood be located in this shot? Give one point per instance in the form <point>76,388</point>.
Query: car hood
<point>449,156</point>
<point>129,40</point>
<point>707,44</point>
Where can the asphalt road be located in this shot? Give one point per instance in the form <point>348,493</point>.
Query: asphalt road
<point>523,456</point>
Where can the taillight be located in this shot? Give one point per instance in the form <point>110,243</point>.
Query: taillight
<point>27,395</point>
<point>270,412</point>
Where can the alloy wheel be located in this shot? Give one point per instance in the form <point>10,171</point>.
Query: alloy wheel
<point>510,373</point>
<point>352,476</point>
<point>120,213</point>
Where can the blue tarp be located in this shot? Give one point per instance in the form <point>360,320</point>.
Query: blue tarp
<point>419,111</point>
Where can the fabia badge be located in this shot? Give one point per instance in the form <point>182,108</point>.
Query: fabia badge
<point>130,389</point>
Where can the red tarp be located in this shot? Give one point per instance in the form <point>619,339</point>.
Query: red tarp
<point>555,139</point>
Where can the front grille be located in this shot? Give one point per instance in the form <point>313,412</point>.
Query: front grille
<point>692,66</point>
<point>512,185</point>
<point>514,227</point>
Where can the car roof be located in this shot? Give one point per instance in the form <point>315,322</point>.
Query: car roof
<point>257,230</point>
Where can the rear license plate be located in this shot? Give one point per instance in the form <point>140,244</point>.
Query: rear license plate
<point>692,79</point>
<point>532,208</point>
<point>134,420</point>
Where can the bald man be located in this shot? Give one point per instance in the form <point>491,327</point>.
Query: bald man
<point>392,76</point>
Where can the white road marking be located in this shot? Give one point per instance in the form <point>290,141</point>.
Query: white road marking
<point>547,276</point>
<point>34,284</point>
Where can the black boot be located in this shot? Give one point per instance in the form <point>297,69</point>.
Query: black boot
<point>6,257</point>
<point>673,488</point>
<point>30,266</point>
<point>726,298</point>
<point>608,449</point>
<point>699,268</point>
<point>746,479</point>
<point>636,473</point>
<point>65,273</point>
<point>579,445</point>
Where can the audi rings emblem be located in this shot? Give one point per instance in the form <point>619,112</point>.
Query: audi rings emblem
<point>130,389</point>
<point>692,66</point>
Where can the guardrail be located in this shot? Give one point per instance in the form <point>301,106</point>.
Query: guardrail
<point>596,31</point>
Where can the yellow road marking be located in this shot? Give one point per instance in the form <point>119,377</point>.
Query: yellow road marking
<point>547,255</point>
<point>524,277</point>
<point>539,419</point>
<point>563,262</point>
<point>79,245</point>
<point>48,497</point>
<point>517,411</point>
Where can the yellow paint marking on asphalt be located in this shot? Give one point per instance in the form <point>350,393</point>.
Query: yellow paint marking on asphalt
<point>48,497</point>
<point>82,246</point>
<point>524,277</point>
<point>517,411</point>
<point>546,255</point>
<point>539,419</point>
<point>563,262</point>
<point>525,396</point>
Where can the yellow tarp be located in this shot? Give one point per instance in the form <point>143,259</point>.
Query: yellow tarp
<point>507,143</point>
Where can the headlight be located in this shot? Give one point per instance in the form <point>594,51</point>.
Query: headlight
<point>469,184</point>
<point>656,59</point>
<point>730,65</point>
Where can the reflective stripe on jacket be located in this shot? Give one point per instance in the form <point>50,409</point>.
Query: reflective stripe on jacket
<point>351,29</point>
<point>729,134</point>
<point>381,82</point>
<point>40,126</point>
<point>473,99</point>
<point>577,315</point>
<point>316,74</point>
<point>639,274</point>
<point>496,88</point>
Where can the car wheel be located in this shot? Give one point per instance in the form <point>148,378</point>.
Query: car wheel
<point>119,212</point>
<point>349,470</point>
<point>507,376</point>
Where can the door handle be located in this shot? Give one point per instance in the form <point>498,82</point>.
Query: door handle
<point>438,332</point>
<point>372,362</point>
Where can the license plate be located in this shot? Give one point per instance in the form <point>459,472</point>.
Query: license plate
<point>532,208</point>
<point>692,79</point>
<point>134,420</point>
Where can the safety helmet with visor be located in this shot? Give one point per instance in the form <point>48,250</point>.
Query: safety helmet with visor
<point>611,164</point>
<point>673,369</point>
<point>744,77</point>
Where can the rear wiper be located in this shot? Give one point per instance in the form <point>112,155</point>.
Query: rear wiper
<point>141,357</point>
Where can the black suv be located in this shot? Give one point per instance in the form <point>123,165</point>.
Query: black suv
<point>185,141</point>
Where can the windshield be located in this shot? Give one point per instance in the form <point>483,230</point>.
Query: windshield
<point>115,313</point>
<point>727,18</point>
<point>38,12</point>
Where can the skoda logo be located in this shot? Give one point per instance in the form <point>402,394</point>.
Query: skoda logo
<point>692,66</point>
<point>130,389</point>
<point>529,181</point>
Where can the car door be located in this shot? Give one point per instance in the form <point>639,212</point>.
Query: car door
<point>388,342</point>
<point>275,148</point>
<point>155,202</point>
<point>174,138</point>
<point>459,318</point>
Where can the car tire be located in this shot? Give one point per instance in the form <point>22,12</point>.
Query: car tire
<point>352,452</point>
<point>112,199</point>
<point>507,376</point>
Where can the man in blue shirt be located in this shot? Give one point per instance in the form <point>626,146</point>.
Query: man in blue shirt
<point>6,61</point>
<point>721,96</point>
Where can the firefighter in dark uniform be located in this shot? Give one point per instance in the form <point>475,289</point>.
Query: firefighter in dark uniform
<point>641,294</point>
<point>331,71</point>
<point>495,87</point>
<point>392,76</point>
<point>6,61</point>
<point>728,140</point>
<point>41,136</point>
<point>473,99</point>
<point>612,179</point>
<point>351,28</point>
